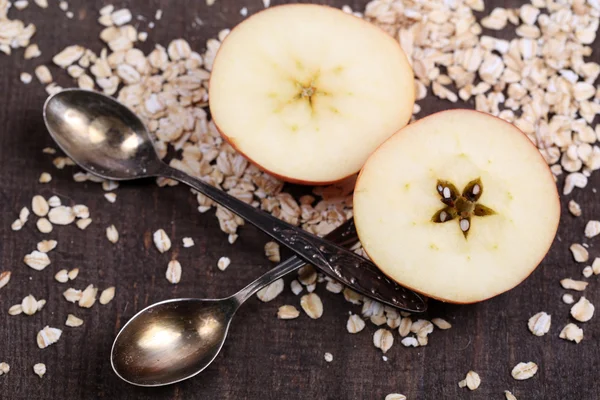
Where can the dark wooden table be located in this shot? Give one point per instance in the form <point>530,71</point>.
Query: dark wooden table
<point>264,358</point>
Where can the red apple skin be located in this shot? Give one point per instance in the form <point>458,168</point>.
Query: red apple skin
<point>556,199</point>
<point>281,177</point>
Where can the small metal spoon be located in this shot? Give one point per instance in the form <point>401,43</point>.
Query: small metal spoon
<point>107,139</point>
<point>174,340</point>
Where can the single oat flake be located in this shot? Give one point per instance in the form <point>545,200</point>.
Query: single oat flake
<point>312,305</point>
<point>539,324</point>
<point>46,245</point>
<point>188,242</point>
<point>62,276</point>
<point>571,332</point>
<point>4,368</point>
<point>161,240</point>
<point>73,321</point>
<point>583,310</point>
<point>173,273</point>
<point>48,336</point>
<point>39,369</point>
<point>107,295</point>
<point>573,285</point>
<point>523,371</point>
<point>37,260</point>
<point>383,339</point>
<point>272,251</point>
<point>288,312</point>
<point>328,357</point>
<point>72,295</point>
<point>40,206</point>
<point>395,396</point>
<point>111,233</point>
<point>580,253</point>
<point>4,278</point>
<point>592,229</point>
<point>223,263</point>
<point>472,381</point>
<point>29,305</point>
<point>88,297</point>
<point>441,323</point>
<point>44,225</point>
<point>509,395</point>
<point>271,291</point>
<point>355,324</point>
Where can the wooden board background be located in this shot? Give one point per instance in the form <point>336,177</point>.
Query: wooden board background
<point>264,358</point>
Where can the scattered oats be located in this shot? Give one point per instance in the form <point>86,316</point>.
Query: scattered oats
<point>173,273</point>
<point>395,396</point>
<point>15,310</point>
<point>410,342</point>
<point>524,371</point>
<point>111,197</point>
<point>68,56</point>
<point>61,215</point>
<point>37,260</point>
<point>39,205</point>
<point>26,78</point>
<point>573,285</point>
<point>107,295</point>
<point>405,326</point>
<point>583,310</point>
<point>188,242</point>
<point>111,232</point>
<point>17,225</point>
<point>4,278</point>
<point>62,276</point>
<point>296,287</point>
<point>44,225</point>
<point>288,312</point>
<point>592,229</point>
<point>312,305</point>
<point>441,323</point>
<point>39,369</point>
<point>383,339</point>
<point>161,241</point>
<point>272,251</point>
<point>355,324</point>
<point>352,297</point>
<point>81,211</point>
<point>54,201</point>
<point>73,273</point>
<point>85,222</point>
<point>223,263</point>
<point>328,357</point>
<point>72,295</point>
<point>509,395</point>
<point>4,368</point>
<point>271,291</point>
<point>580,253</point>
<point>73,321</point>
<point>88,297</point>
<point>29,305</point>
<point>571,332</point>
<point>588,271</point>
<point>307,275</point>
<point>48,336</point>
<point>109,186</point>
<point>539,324</point>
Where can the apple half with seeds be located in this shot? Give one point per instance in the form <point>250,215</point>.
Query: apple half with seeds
<point>308,92</point>
<point>459,206</point>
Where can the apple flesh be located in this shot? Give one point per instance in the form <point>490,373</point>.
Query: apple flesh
<point>307,92</point>
<point>459,206</point>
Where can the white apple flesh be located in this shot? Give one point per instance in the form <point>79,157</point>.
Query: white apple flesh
<point>457,247</point>
<point>307,92</point>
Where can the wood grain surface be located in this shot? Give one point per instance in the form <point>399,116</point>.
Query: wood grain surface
<point>264,358</point>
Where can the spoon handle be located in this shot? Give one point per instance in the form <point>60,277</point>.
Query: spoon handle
<point>342,264</point>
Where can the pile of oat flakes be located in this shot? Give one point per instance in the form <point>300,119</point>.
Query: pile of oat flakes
<point>540,80</point>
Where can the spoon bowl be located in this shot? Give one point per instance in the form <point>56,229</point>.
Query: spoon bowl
<point>102,135</point>
<point>170,341</point>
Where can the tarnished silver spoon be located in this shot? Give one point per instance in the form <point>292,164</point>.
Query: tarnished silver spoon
<point>174,340</point>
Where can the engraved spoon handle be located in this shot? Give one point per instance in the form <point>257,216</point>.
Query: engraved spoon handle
<point>332,259</point>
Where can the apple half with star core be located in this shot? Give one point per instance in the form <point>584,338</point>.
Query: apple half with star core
<point>308,92</point>
<point>459,206</point>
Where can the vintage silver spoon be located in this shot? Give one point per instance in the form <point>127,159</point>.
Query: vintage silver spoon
<point>107,139</point>
<point>174,340</point>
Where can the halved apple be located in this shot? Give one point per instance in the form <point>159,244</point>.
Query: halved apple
<point>459,206</point>
<point>307,92</point>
